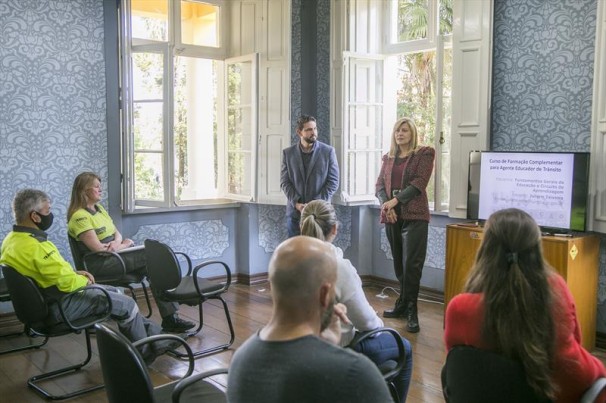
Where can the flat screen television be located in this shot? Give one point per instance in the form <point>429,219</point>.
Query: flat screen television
<point>550,186</point>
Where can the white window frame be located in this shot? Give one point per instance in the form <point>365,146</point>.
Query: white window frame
<point>359,189</point>
<point>471,93</point>
<point>437,42</point>
<point>597,192</point>
<point>253,82</point>
<point>169,50</point>
<point>354,30</point>
<point>392,46</point>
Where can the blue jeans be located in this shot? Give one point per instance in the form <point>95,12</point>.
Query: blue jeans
<point>382,348</point>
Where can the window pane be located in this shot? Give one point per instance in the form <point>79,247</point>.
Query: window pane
<point>147,125</point>
<point>199,24</point>
<point>195,128</point>
<point>239,178</point>
<point>359,165</point>
<point>149,179</point>
<point>446,120</point>
<point>412,20</point>
<point>239,129</point>
<point>365,127</point>
<point>445,17</point>
<point>150,19</point>
<point>416,97</point>
<point>239,133</point>
<point>363,140</point>
<point>148,71</point>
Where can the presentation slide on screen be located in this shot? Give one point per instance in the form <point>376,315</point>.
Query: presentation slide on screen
<point>541,185</point>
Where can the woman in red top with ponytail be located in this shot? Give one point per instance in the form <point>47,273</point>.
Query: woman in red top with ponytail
<point>519,307</point>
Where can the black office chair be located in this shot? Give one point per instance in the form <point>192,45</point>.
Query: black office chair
<point>127,379</point>
<point>591,394</point>
<point>164,272</point>
<point>119,278</point>
<point>33,310</point>
<point>390,368</point>
<point>472,375</point>
<point>5,297</point>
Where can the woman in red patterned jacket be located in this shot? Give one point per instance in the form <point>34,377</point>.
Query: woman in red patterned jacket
<point>400,189</point>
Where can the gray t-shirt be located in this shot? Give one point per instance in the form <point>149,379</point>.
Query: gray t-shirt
<point>307,369</point>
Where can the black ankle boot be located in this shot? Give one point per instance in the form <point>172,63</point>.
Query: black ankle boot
<point>413,320</point>
<point>399,310</point>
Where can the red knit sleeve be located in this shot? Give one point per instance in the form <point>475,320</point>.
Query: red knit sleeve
<point>575,369</point>
<point>463,321</point>
<point>421,175</point>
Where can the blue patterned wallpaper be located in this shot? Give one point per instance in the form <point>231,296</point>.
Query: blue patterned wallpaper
<point>543,74</point>
<point>200,240</point>
<point>52,101</point>
<point>322,83</point>
<point>272,227</point>
<point>436,247</point>
<point>53,116</point>
<point>295,63</point>
<point>323,69</point>
<point>543,61</point>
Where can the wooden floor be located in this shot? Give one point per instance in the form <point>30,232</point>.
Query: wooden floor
<point>250,308</point>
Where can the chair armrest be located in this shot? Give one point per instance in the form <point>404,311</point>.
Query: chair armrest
<point>209,263</point>
<point>185,383</point>
<point>188,259</point>
<point>401,350</point>
<point>120,273</point>
<point>594,391</point>
<point>160,337</point>
<point>88,321</point>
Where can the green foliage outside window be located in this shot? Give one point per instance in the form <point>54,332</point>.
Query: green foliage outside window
<point>417,72</point>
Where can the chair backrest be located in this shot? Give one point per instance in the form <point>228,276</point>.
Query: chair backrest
<point>390,369</point>
<point>163,267</point>
<point>593,393</point>
<point>124,371</point>
<point>76,254</point>
<point>474,375</point>
<point>30,306</point>
<point>4,294</point>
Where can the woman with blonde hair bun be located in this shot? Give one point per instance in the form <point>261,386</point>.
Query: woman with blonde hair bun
<point>319,220</point>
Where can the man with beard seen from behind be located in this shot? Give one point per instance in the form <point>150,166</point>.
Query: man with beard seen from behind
<point>309,172</point>
<point>296,357</point>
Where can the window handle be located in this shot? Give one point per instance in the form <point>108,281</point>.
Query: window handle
<point>442,141</point>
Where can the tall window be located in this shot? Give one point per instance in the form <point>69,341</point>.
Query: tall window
<point>174,101</point>
<point>420,83</point>
<point>407,72</point>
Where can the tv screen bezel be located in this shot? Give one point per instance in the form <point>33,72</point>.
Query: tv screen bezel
<point>579,196</point>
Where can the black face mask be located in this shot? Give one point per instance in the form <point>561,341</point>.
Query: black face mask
<point>46,221</point>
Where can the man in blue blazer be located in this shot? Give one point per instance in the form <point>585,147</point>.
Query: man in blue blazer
<point>309,172</point>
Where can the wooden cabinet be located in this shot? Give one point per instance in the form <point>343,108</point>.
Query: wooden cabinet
<point>576,259</point>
